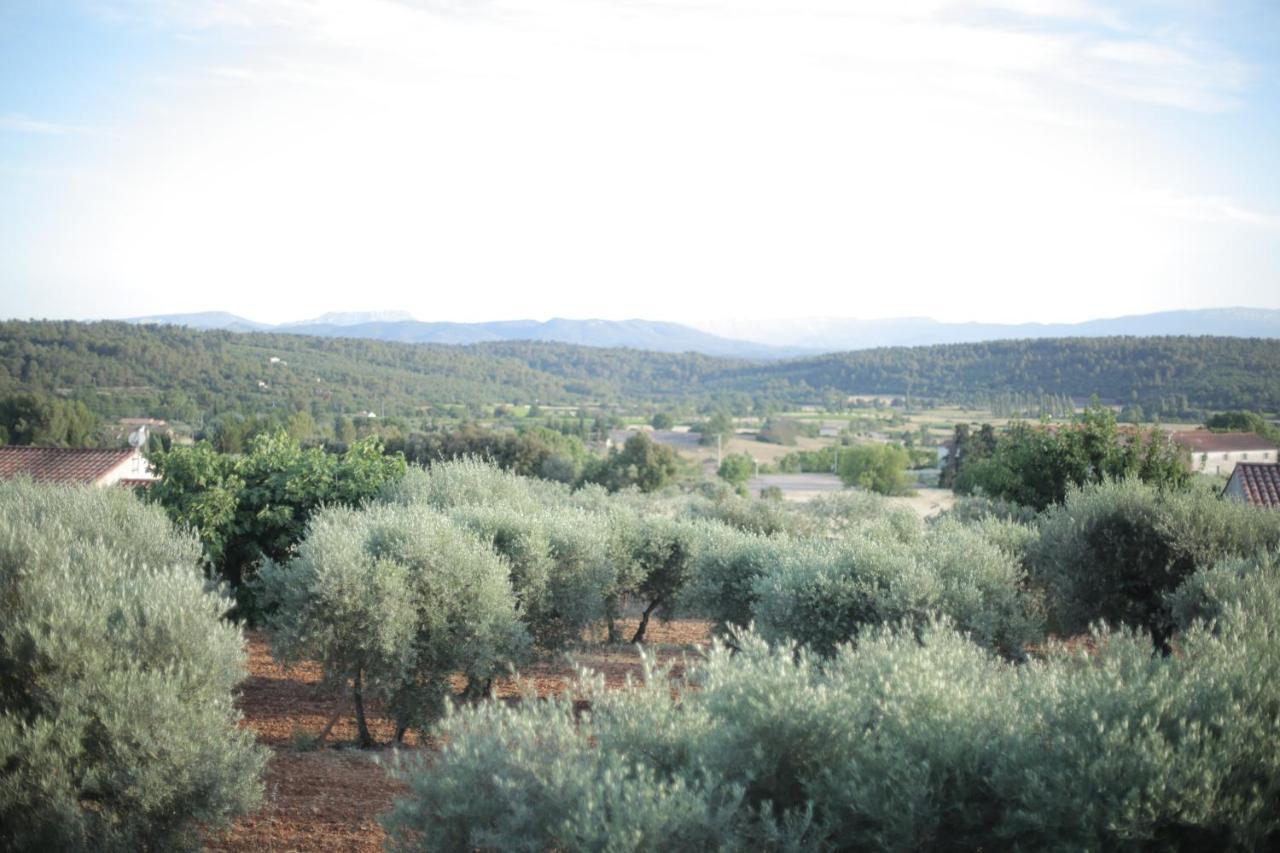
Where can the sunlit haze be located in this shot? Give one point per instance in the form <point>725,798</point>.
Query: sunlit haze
<point>1012,160</point>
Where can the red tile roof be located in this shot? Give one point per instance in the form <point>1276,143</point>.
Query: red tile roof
<point>60,464</point>
<point>1204,441</point>
<point>1260,482</point>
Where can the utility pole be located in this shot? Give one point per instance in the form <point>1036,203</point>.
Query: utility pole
<point>718,463</point>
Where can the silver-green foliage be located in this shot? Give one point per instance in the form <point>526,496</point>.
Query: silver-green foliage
<point>394,599</point>
<point>117,728</point>
<point>462,482</point>
<point>908,740</point>
<point>823,594</point>
<point>1114,551</point>
<point>726,567</point>
<point>559,562</point>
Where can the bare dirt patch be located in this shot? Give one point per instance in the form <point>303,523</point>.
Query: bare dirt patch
<point>329,798</point>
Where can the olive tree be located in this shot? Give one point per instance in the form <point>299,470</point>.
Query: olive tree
<point>559,563</point>
<point>117,671</point>
<point>392,600</point>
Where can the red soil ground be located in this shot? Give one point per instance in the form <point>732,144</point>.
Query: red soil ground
<point>328,798</point>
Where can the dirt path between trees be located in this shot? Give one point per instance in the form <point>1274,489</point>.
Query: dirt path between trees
<point>328,798</point>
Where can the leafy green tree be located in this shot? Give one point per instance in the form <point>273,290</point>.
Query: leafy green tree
<point>559,564</point>
<point>43,420</point>
<point>118,729</point>
<point>301,426</point>
<point>780,431</point>
<point>1244,422</point>
<point>344,431</point>
<point>968,447</point>
<point>256,506</point>
<point>737,468</point>
<point>909,739</point>
<point>718,427</point>
<point>392,599</point>
<point>642,463</point>
<point>199,489</point>
<point>876,467</point>
<point>1036,466</point>
<point>1132,414</point>
<point>654,557</point>
<point>662,420</point>
<point>1115,550</point>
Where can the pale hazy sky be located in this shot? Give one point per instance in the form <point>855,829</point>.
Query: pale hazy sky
<point>1000,160</point>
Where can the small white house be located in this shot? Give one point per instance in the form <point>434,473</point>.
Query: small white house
<point>1220,452</point>
<point>111,467</point>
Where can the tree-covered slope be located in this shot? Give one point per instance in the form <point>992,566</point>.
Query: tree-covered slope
<point>172,371</point>
<point>123,369</point>
<point>1211,372</point>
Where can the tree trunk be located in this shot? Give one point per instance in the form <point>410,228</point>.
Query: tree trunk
<point>610,617</point>
<point>357,692</point>
<point>644,620</point>
<point>328,727</point>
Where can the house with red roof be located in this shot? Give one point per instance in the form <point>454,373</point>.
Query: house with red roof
<point>1255,483</point>
<point>84,466</point>
<point>1220,452</point>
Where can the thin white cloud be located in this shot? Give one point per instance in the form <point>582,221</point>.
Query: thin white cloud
<point>600,156</point>
<point>25,124</point>
<point>1210,210</point>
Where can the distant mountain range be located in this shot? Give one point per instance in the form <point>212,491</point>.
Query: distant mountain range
<point>652,335</point>
<point>762,340</point>
<point>841,334</point>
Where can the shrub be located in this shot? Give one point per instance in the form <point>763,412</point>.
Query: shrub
<point>726,566</point>
<point>246,508</point>
<point>392,600</point>
<point>117,728</point>
<point>1114,550</point>
<point>878,468</point>
<point>1037,466</point>
<point>736,468</point>
<point>754,515</point>
<point>642,463</point>
<point>461,482</point>
<point>653,558</point>
<point>1249,582</point>
<point>560,567</point>
<point>822,595</point>
<point>907,741</point>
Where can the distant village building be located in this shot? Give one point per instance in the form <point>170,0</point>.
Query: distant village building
<point>1255,483</point>
<point>152,424</point>
<point>112,467</point>
<point>126,426</point>
<point>1220,452</point>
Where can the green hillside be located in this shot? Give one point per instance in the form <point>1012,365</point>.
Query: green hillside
<point>169,371</point>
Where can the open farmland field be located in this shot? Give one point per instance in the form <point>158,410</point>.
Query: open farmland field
<point>796,487</point>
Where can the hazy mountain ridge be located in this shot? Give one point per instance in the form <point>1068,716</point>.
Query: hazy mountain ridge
<point>842,334</point>
<point>766,340</point>
<point>652,335</point>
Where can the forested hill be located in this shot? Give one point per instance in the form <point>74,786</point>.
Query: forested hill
<point>174,372</point>
<point>1209,372</point>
